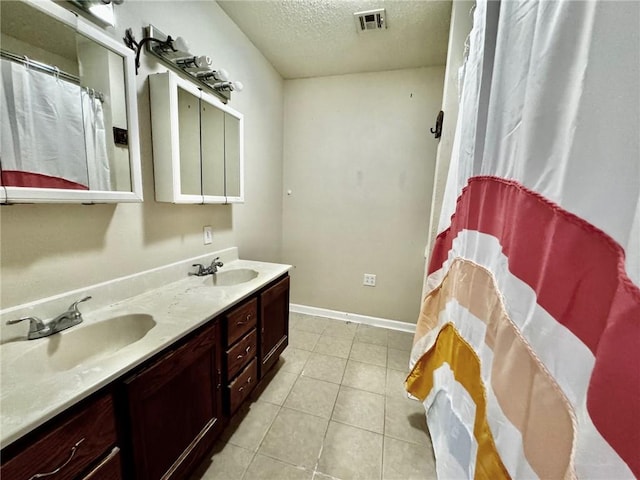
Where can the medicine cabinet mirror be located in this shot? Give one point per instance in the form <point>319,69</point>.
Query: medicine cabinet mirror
<point>68,111</point>
<point>197,144</point>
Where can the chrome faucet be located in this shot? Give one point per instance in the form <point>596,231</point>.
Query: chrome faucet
<point>215,264</point>
<point>39,329</point>
<point>210,270</point>
<point>202,270</point>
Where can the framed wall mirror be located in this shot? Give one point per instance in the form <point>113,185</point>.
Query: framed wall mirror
<point>68,110</point>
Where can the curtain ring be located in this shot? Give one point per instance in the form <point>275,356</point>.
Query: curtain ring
<point>27,62</point>
<point>56,72</point>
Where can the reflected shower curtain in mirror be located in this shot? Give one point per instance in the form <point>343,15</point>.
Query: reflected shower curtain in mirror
<point>95,142</point>
<point>527,349</point>
<point>43,142</point>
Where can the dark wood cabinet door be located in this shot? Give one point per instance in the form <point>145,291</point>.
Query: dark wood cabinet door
<point>274,323</point>
<point>69,446</point>
<point>175,408</point>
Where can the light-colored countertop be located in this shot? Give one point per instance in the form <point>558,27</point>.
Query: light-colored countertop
<point>31,396</point>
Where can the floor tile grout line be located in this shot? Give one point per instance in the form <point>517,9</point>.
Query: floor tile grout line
<point>384,432</point>
<point>300,373</point>
<point>324,437</point>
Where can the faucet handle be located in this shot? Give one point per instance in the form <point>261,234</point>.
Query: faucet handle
<point>74,306</point>
<point>35,324</point>
<point>32,320</point>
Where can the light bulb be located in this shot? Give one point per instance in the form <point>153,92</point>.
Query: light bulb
<point>228,86</point>
<point>218,75</point>
<point>180,44</point>
<point>202,61</point>
<point>222,75</point>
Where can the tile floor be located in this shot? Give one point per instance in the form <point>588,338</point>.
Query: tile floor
<point>333,408</point>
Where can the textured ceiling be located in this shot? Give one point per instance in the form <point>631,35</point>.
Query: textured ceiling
<point>311,38</point>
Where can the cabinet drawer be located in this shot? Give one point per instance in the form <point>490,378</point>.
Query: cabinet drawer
<point>241,353</point>
<point>241,320</point>
<point>241,387</point>
<point>71,445</point>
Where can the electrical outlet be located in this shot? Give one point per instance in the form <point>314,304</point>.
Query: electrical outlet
<point>208,235</point>
<point>369,280</point>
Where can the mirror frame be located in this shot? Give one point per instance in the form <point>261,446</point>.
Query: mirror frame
<point>11,195</point>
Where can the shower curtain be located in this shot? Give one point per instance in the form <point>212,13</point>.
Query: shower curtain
<point>51,129</point>
<point>527,349</point>
<point>95,141</point>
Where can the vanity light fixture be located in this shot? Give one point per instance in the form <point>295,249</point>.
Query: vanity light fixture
<point>228,86</point>
<point>175,54</point>
<point>195,63</point>
<point>217,75</point>
<point>166,46</point>
<point>101,10</point>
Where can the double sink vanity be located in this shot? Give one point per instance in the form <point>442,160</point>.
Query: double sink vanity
<point>144,385</point>
<point>139,379</point>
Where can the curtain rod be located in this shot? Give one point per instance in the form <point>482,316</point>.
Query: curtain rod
<point>43,67</point>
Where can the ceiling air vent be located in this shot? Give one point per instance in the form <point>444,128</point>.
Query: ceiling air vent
<point>370,20</point>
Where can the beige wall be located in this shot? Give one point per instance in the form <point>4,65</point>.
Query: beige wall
<point>359,161</point>
<point>49,249</point>
<point>461,25</point>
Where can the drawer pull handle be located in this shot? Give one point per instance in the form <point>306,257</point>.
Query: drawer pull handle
<point>246,383</point>
<point>246,320</point>
<point>53,472</point>
<point>246,351</point>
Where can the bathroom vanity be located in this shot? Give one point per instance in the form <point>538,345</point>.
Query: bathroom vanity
<point>158,416</point>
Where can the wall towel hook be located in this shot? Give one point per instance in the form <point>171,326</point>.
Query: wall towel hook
<point>437,133</point>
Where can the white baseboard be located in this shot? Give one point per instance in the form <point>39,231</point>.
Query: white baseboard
<point>354,317</point>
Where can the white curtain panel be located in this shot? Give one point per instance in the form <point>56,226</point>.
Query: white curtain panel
<point>42,124</point>
<point>95,142</point>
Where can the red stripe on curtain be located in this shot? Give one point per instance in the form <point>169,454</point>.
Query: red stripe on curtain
<point>14,178</point>
<point>578,274</point>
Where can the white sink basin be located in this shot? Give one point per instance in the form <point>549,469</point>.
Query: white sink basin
<point>228,278</point>
<point>80,345</point>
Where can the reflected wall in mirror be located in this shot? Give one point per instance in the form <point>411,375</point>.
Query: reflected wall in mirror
<point>67,106</point>
<point>213,150</point>
<point>189,121</point>
<point>232,146</point>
